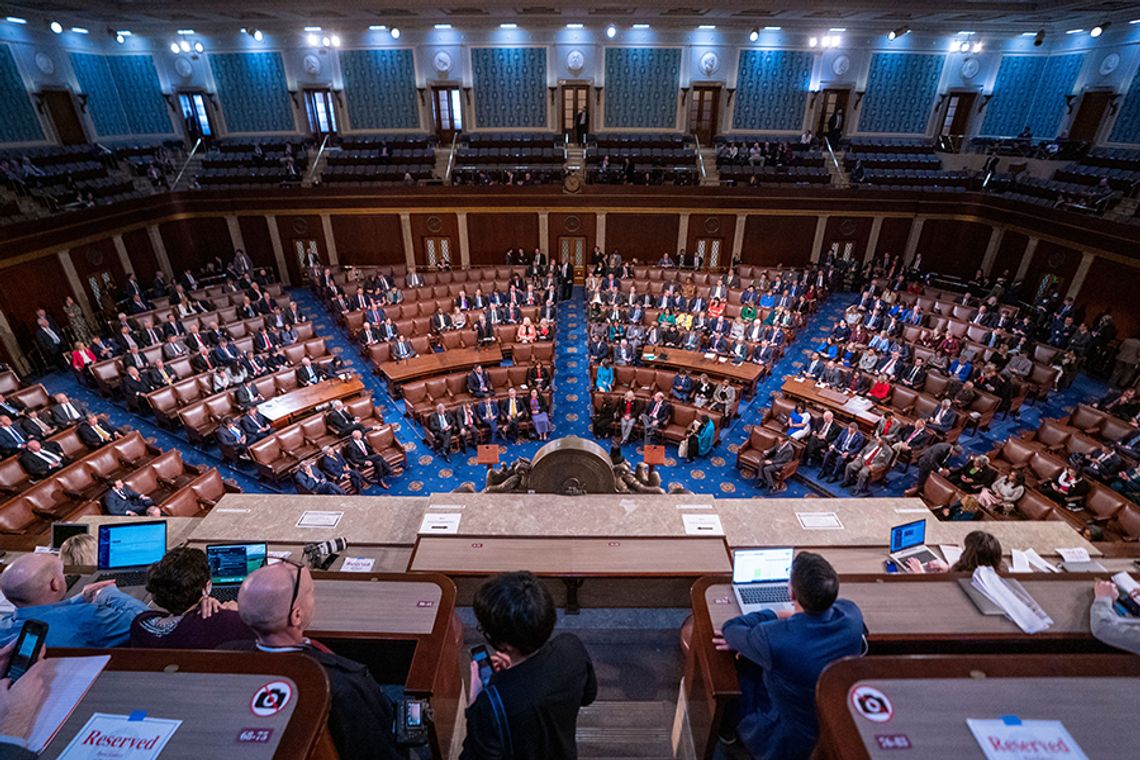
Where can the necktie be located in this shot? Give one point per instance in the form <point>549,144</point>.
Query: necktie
<point>71,413</point>
<point>15,434</point>
<point>102,433</point>
<point>871,456</point>
<point>52,335</point>
<point>51,459</point>
<point>360,445</point>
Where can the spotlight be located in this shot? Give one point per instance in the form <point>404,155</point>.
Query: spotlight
<point>312,40</point>
<point>508,25</point>
<point>56,27</point>
<point>395,32</point>
<point>1098,30</point>
<point>174,48</point>
<point>16,20</point>
<point>574,25</point>
<point>325,41</point>
<point>199,47</point>
<point>257,35</point>
<point>977,47</point>
<point>812,42</point>
<point>184,46</point>
<point>1039,39</point>
<point>754,35</point>
<point>378,28</point>
<point>336,41</point>
<point>611,31</point>
<point>120,39</point>
<point>641,26</point>
<point>79,30</point>
<point>896,33</point>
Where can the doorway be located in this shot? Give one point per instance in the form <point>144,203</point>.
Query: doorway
<point>447,111</point>
<point>832,100</point>
<point>1090,114</point>
<point>321,112</point>
<point>575,97</point>
<point>704,108</point>
<point>573,249</point>
<point>437,253</point>
<point>959,109</point>
<point>195,116</point>
<point>709,250</point>
<point>60,106</point>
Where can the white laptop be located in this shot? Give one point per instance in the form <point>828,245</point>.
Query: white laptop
<point>760,579</point>
<point>908,541</point>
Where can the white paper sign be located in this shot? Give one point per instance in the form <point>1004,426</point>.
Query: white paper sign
<point>1020,561</point>
<point>950,552</point>
<point>702,525</point>
<point>357,565</point>
<point>315,519</point>
<point>819,521</point>
<point>440,522</point>
<point>116,736</point>
<point>1024,740</point>
<point>694,506</point>
<point>231,510</point>
<point>446,506</point>
<point>911,510</point>
<point>1075,554</point>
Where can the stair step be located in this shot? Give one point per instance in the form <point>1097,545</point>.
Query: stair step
<point>626,729</point>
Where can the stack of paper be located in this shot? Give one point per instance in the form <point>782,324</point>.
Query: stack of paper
<point>1127,584</point>
<point>1028,561</point>
<point>1017,605</point>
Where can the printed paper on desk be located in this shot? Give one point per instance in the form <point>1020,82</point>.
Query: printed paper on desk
<point>819,521</point>
<point>446,506</point>
<point>440,522</point>
<point>316,519</point>
<point>694,506</point>
<point>1074,554</point>
<point>1025,740</point>
<point>950,552</point>
<point>67,680</point>
<point>115,736</point>
<point>702,525</point>
<point>358,565</point>
<point>1020,562</point>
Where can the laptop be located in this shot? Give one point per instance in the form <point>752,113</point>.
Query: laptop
<point>127,550</point>
<point>908,541</point>
<point>230,564</point>
<point>760,579</point>
<point>61,531</point>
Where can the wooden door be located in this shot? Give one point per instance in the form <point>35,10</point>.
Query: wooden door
<point>704,107</point>
<point>434,252</point>
<point>447,112</point>
<point>1089,116</point>
<point>320,112</point>
<point>833,100</point>
<point>61,110</point>
<point>959,109</point>
<point>575,97</point>
<point>573,249</point>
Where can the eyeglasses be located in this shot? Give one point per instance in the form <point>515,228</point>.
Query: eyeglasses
<point>296,587</point>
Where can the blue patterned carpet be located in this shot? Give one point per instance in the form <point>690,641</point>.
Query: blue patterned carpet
<point>715,474</point>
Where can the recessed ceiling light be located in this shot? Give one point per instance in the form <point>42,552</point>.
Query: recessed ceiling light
<point>574,26</point>
<point>966,33</point>
<point>257,35</point>
<point>395,32</point>
<point>1098,30</point>
<point>641,26</point>
<point>174,48</point>
<point>773,28</point>
<point>56,27</point>
<point>185,31</point>
<point>125,32</point>
<point>184,46</point>
<point>707,27</point>
<point>335,41</point>
<point>199,47</point>
<point>1074,31</point>
<point>837,29</point>
<point>16,20</point>
<point>508,26</point>
<point>1029,34</point>
<point>312,29</point>
<point>812,42</point>
<point>611,31</point>
<point>754,34</point>
<point>378,28</point>
<point>1135,21</point>
<point>79,30</point>
<point>313,40</point>
<point>443,26</point>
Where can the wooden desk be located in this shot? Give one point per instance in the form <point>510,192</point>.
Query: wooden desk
<point>746,374</point>
<point>210,692</point>
<point>290,407</point>
<point>921,614</point>
<point>829,399</point>
<point>1094,696</point>
<point>430,364</point>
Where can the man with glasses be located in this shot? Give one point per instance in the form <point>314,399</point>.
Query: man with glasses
<point>277,603</point>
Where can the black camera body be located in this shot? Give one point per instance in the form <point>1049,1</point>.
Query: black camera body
<point>413,721</point>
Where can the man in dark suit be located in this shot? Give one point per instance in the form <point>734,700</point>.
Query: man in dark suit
<point>135,358</point>
<point>655,416</point>
<point>134,386</point>
<point>846,445</point>
<point>513,412</point>
<point>123,500</point>
<point>309,373</point>
<point>151,335</point>
<point>35,426</point>
<point>310,479</point>
<point>341,422</point>
<point>66,412</point>
<point>387,332</point>
<point>255,425</point>
<point>402,349</point>
<point>225,354</point>
<point>478,384</point>
<point>874,457</point>
<point>247,396</point>
<point>49,341</point>
<point>912,438</point>
<point>360,454</point>
<point>821,438</point>
<point>94,434</point>
<point>914,376</point>
<point>232,439</point>
<point>772,464</point>
<point>487,412</point>
<point>942,419</point>
<point>12,438</point>
<point>252,366</point>
<point>42,459</point>
<point>12,407</point>
<point>337,468</point>
<point>440,322</point>
<point>442,426</point>
<point>202,362</point>
<point>159,376</point>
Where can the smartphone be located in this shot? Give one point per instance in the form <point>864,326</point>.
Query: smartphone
<point>29,645</point>
<point>482,658</point>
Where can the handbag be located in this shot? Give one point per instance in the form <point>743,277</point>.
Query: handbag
<point>502,727</point>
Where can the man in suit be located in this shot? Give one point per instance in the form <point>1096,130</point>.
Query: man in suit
<point>360,454</point>
<point>845,446</point>
<point>247,396</point>
<point>40,460</point>
<point>936,458</point>
<point>442,426</point>
<point>12,439</point>
<point>891,366</point>
<point>123,500</point>
<point>264,341</point>
<point>1102,463</point>
<point>225,354</point>
<point>513,411</point>
<point>159,376</point>
<point>624,355</point>
<point>484,330</point>
<point>914,376</point>
<point>232,439</point>
<point>821,438</point>
<point>478,384</point>
<point>781,657</point>
<point>333,464</point>
<point>402,349</point>
<point>911,438</point>
<point>35,426</point>
<point>814,369</point>
<point>487,413</point>
<point>772,464</point>
<point>66,412</point>
<point>943,418</point>
<point>413,279</point>
<point>341,422</point>
<point>655,416</point>
<point>874,457</point>
<point>94,434</point>
<point>215,335</point>
<point>252,366</point>
<point>440,322</point>
<point>50,341</point>
<point>309,373</point>
<point>367,336</point>
<point>151,335</point>
<point>255,425</point>
<point>387,331</point>
<point>173,349</point>
<point>11,407</point>
<point>202,362</point>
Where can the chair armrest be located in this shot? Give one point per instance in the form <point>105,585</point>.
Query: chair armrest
<point>207,503</point>
<point>73,495</point>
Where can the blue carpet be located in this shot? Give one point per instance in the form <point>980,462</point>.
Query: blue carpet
<point>714,474</point>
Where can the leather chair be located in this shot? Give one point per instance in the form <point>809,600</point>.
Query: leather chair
<point>172,472</point>
<point>761,439</point>
<point>1034,506</point>
<point>1126,524</point>
<point>903,400</point>
<point>1086,418</point>
<point>1051,436</point>
<point>270,459</point>
<point>1116,430</point>
<point>938,492</point>
<point>317,433</point>
<point>13,478</point>
<point>416,399</point>
<point>1103,504</point>
<point>33,397</point>
<point>776,416</point>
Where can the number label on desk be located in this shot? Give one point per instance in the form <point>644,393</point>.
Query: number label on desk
<point>615,543</point>
<point>476,546</point>
<point>893,741</point>
<point>254,735</point>
<point>425,603</point>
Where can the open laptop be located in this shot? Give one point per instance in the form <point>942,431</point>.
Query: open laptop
<point>230,564</point>
<point>126,550</point>
<point>760,579</point>
<point>61,531</point>
<point>908,541</point>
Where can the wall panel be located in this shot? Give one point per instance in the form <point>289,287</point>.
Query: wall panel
<point>191,243</point>
<point>1111,286</point>
<point>771,86</point>
<point>380,89</point>
<point>372,239</point>
<point>642,236</point>
<point>253,91</point>
<point>952,247</point>
<point>901,88</point>
<point>95,258</point>
<point>1009,254</point>
<point>853,229</point>
<point>258,246</point>
<point>141,254</point>
<point>30,286</point>
<point>893,236</point>
<point>510,87</point>
<point>490,235</point>
<point>1127,126</point>
<point>775,240</point>
<point>641,87</point>
<point>18,122</point>
<point>1052,259</point>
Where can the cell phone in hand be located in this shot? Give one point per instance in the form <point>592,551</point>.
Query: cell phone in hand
<point>29,645</point>
<point>482,658</point>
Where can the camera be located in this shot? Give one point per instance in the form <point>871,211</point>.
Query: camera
<point>320,555</point>
<point>414,718</point>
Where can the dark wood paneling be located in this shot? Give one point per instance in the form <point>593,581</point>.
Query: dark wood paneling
<point>99,256</point>
<point>30,286</point>
<point>1009,254</point>
<point>191,243</point>
<point>842,229</point>
<point>368,239</point>
<point>571,225</point>
<point>775,240</point>
<point>949,246</point>
<point>892,237</point>
<point>141,254</point>
<point>258,245</point>
<point>437,225</point>
<point>1050,258</point>
<point>1111,286</point>
<point>642,236</point>
<point>490,235</point>
<point>721,226</point>
<point>293,228</point>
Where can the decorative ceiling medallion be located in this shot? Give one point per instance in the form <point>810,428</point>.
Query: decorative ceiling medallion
<point>299,225</point>
<point>312,64</point>
<point>44,63</point>
<point>442,61</point>
<point>847,227</point>
<point>710,62</point>
<point>712,224</point>
<point>970,68</point>
<point>841,65</point>
<point>1109,63</point>
<point>183,67</point>
<point>572,223</point>
<point>434,224</point>
<point>575,60</point>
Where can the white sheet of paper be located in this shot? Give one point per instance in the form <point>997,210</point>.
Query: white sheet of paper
<point>232,510</point>
<point>154,733</point>
<point>45,550</point>
<point>702,525</point>
<point>950,552</point>
<point>911,510</point>
<point>1039,563</point>
<point>694,506</point>
<point>819,521</point>
<point>1074,554</point>
<point>1020,561</point>
<point>275,557</point>
<point>1027,740</point>
<point>446,506</point>
<point>358,565</point>
<point>318,519</point>
<point>67,680</point>
<point>440,522</point>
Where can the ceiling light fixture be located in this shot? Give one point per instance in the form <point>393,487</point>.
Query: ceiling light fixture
<point>707,27</point>
<point>837,29</point>
<point>185,31</point>
<point>1098,30</point>
<point>16,20</point>
<point>79,30</point>
<point>754,35</point>
<point>1074,31</point>
<point>378,28</point>
<point>312,29</point>
<point>174,48</point>
<point>313,40</point>
<point>336,41</point>
<point>184,46</point>
<point>441,27</point>
<point>773,28</point>
<point>325,41</point>
<point>395,32</point>
<point>56,27</point>
<point>896,33</point>
<point>641,26</point>
<point>611,31</point>
<point>508,26</point>
<point>812,42</point>
<point>199,47</point>
<point>574,26</point>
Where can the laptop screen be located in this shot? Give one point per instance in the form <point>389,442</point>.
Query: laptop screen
<point>231,563</point>
<point>61,531</point>
<point>908,535</point>
<point>131,544</point>
<point>762,565</point>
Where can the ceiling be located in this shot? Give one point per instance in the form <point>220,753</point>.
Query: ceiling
<point>856,15</point>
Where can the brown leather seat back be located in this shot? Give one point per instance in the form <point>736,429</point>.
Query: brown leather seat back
<point>1103,502</point>
<point>131,446</point>
<point>499,378</point>
<point>903,399</point>
<point>12,475</point>
<point>144,480</point>
<point>169,466</point>
<point>266,451</point>
<point>164,400</point>
<point>16,515</point>
<point>1115,429</point>
<point>924,406</point>
<point>291,439</point>
<point>1085,417</point>
<point>1052,434</point>
<point>182,504</point>
<point>437,388</point>
<point>103,462</point>
<point>1036,507</point>
<point>517,375</point>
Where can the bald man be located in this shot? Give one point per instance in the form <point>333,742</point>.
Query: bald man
<point>361,714</point>
<point>99,617</point>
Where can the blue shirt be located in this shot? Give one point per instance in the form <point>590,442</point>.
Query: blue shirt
<point>777,683</point>
<point>75,623</point>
